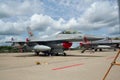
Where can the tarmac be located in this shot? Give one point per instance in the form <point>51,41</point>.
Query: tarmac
<point>74,66</point>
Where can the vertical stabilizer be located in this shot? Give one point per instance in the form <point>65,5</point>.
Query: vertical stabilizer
<point>85,40</point>
<point>29,31</point>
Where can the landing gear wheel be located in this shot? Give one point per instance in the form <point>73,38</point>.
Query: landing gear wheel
<point>64,54</point>
<point>95,49</point>
<point>36,53</point>
<point>46,54</point>
<point>115,50</point>
<point>57,54</point>
<point>100,49</point>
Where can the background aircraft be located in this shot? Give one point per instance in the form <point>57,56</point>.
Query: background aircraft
<point>53,45</point>
<point>106,43</point>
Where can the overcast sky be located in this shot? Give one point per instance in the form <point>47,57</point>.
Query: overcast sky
<point>46,17</point>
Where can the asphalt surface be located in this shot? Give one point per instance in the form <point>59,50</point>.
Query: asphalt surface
<point>74,66</point>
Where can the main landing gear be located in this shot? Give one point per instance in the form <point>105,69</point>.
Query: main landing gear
<point>46,53</point>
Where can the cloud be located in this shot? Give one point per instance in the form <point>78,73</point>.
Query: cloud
<point>46,17</point>
<point>12,28</point>
<point>43,22</point>
<point>20,8</point>
<point>40,21</point>
<point>99,15</point>
<point>115,30</point>
<point>95,17</point>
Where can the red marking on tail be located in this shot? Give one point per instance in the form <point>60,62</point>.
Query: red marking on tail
<point>30,33</point>
<point>81,44</point>
<point>85,39</point>
<point>27,40</point>
<point>85,42</point>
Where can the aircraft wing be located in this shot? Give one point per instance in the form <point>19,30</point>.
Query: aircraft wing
<point>55,39</point>
<point>21,42</point>
<point>106,42</point>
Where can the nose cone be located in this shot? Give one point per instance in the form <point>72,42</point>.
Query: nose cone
<point>93,38</point>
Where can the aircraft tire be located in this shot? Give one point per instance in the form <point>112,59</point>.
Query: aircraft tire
<point>100,49</point>
<point>57,54</point>
<point>64,54</point>
<point>95,49</point>
<point>37,53</point>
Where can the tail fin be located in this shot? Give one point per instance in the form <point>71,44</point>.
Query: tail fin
<point>85,40</point>
<point>29,31</point>
<point>108,39</point>
<point>12,39</point>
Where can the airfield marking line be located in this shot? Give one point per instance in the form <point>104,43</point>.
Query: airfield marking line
<point>69,66</point>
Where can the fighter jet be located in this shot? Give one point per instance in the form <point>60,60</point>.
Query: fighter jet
<point>106,43</point>
<point>53,45</point>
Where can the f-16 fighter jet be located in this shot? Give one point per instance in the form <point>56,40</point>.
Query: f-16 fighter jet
<point>53,45</point>
<point>106,43</point>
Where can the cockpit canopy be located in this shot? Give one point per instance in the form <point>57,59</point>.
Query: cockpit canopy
<point>70,32</point>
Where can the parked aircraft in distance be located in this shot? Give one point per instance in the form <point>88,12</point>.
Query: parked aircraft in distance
<point>106,43</point>
<point>53,45</point>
